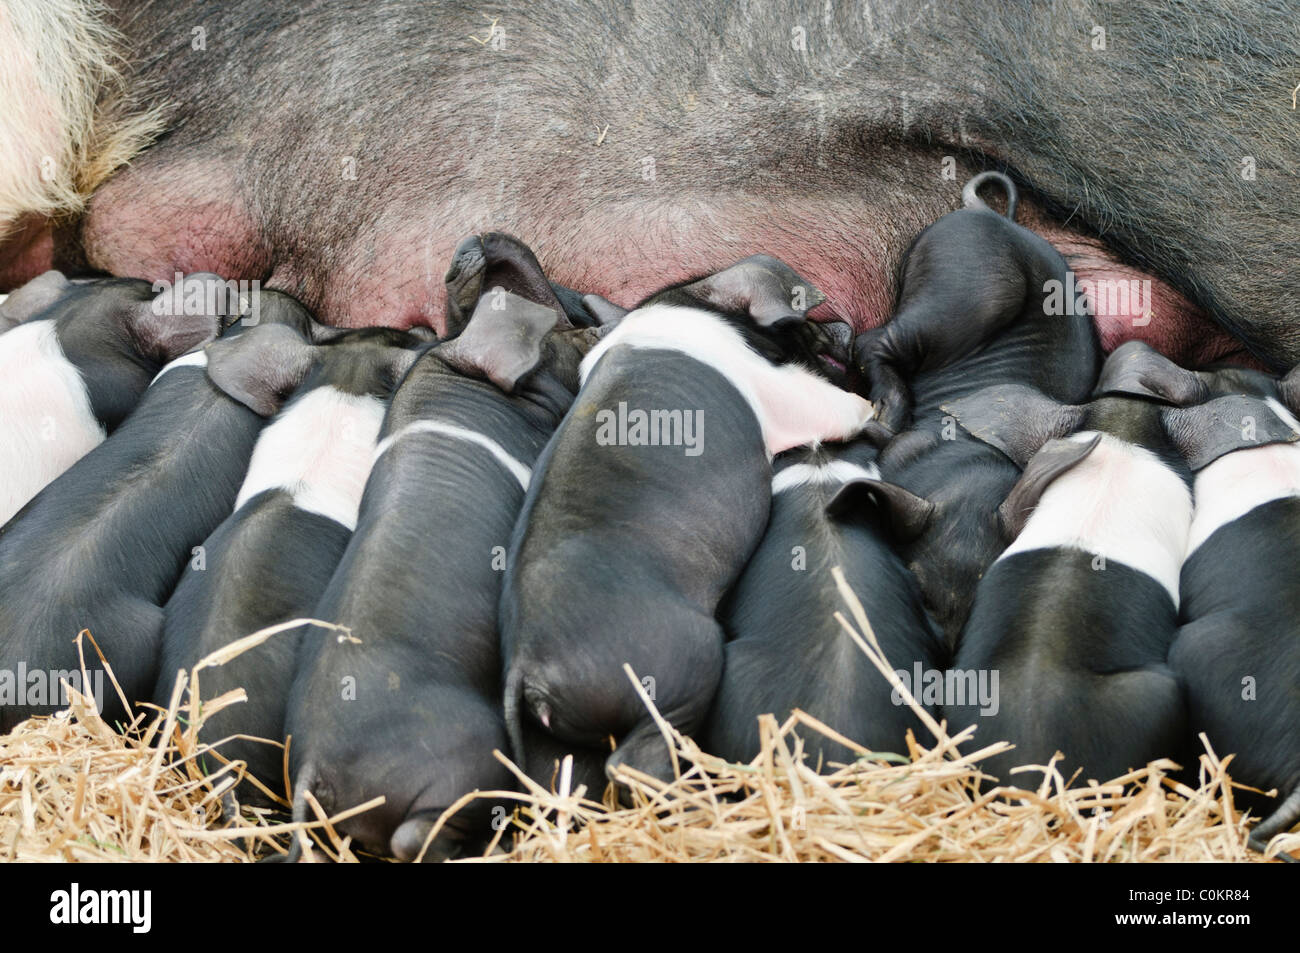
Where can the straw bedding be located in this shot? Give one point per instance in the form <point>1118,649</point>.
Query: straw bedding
<point>72,788</point>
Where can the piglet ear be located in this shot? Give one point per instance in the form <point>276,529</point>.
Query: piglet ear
<point>264,306</point>
<point>1288,388</point>
<point>503,340</point>
<point>262,366</point>
<point>1055,457</point>
<point>1136,368</point>
<point>423,334</point>
<point>1016,419</point>
<point>32,298</point>
<point>1206,432</point>
<point>606,312</point>
<point>324,333</point>
<point>163,332</point>
<point>583,340</point>
<point>400,361</point>
<point>483,263</point>
<point>906,514</point>
<point>768,289</point>
<point>585,311</point>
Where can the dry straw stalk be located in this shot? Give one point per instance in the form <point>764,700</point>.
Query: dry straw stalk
<point>72,788</point>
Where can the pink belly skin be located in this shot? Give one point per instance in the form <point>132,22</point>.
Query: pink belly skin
<point>193,218</point>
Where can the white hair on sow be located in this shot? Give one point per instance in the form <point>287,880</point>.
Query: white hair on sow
<point>67,120</point>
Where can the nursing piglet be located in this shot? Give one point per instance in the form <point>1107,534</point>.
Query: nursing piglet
<point>75,363</point>
<point>1077,616</point>
<point>1238,652</point>
<point>786,650</point>
<point>1137,369</point>
<point>494,259</point>
<point>270,560</point>
<point>648,502</point>
<point>408,705</point>
<point>102,547</point>
<point>981,303</point>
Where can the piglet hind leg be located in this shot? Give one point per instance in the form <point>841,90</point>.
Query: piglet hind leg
<point>1284,818</point>
<point>459,836</point>
<point>684,706</point>
<point>889,391</point>
<point>968,277</point>
<point>643,750</point>
<point>129,632</point>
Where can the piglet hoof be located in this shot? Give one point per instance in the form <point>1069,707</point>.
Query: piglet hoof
<point>876,434</point>
<point>648,754</point>
<point>410,837</point>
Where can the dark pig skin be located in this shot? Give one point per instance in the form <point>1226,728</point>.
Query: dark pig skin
<point>339,151</point>
<point>675,642</point>
<point>1239,626</point>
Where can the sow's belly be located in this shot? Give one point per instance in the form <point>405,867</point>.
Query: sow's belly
<point>339,152</point>
<point>623,250</point>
